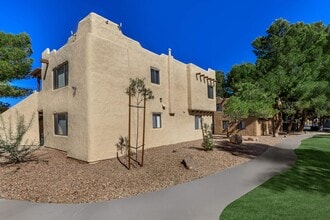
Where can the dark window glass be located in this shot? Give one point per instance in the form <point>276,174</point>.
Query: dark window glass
<point>61,124</point>
<point>61,75</point>
<point>154,76</point>
<point>225,124</point>
<point>210,92</point>
<point>219,107</point>
<point>241,125</point>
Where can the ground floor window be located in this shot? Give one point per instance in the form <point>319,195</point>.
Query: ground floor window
<point>225,124</point>
<point>198,122</point>
<point>156,120</point>
<point>241,125</point>
<point>61,123</point>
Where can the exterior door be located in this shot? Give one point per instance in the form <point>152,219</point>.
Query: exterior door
<point>41,127</point>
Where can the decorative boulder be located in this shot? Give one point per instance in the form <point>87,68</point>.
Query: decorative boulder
<point>188,162</point>
<point>236,139</point>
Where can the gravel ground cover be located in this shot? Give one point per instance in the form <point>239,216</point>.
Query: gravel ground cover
<point>55,178</point>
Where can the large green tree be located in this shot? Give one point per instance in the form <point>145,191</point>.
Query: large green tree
<point>221,84</point>
<point>290,75</point>
<point>15,63</point>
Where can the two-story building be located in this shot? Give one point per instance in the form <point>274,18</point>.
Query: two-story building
<point>82,107</point>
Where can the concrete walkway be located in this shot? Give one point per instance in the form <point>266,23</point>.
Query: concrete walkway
<point>200,199</point>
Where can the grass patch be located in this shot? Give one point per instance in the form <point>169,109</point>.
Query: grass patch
<point>302,192</point>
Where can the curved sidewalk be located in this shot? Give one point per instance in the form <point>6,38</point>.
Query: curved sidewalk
<point>199,199</point>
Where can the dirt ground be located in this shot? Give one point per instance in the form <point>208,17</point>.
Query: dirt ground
<point>55,178</point>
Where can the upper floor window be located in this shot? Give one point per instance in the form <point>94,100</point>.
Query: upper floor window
<point>61,75</point>
<point>198,122</point>
<point>156,120</point>
<point>61,123</point>
<point>219,107</point>
<point>154,76</point>
<point>210,92</point>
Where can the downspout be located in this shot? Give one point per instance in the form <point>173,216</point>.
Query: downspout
<point>169,60</point>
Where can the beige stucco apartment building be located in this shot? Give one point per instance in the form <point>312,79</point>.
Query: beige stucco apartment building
<point>83,108</point>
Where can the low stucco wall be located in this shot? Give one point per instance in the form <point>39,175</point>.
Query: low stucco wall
<point>29,108</point>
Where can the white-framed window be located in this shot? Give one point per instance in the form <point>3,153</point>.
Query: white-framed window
<point>210,92</point>
<point>198,122</point>
<point>61,75</point>
<point>156,120</point>
<point>61,124</point>
<point>241,125</point>
<point>154,74</point>
<point>225,124</point>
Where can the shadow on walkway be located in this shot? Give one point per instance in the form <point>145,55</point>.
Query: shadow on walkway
<point>246,150</point>
<point>309,173</point>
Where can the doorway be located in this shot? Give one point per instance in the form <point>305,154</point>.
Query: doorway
<point>41,127</point>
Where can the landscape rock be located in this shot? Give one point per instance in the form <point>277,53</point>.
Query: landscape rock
<point>236,139</point>
<point>82,182</point>
<point>250,138</point>
<point>188,162</point>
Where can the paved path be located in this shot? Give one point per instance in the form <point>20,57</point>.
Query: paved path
<point>200,199</point>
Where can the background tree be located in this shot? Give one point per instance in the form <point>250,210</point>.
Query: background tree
<point>290,77</point>
<point>245,72</point>
<point>249,98</point>
<point>15,63</point>
<point>292,58</point>
<point>221,88</point>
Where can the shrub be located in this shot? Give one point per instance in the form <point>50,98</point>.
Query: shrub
<point>207,138</point>
<point>11,148</point>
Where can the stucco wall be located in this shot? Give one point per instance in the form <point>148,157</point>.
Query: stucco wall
<point>101,60</point>
<point>198,94</point>
<point>29,108</point>
<point>71,99</point>
<point>116,58</point>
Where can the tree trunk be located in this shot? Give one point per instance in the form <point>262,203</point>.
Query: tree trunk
<point>302,121</point>
<point>265,127</point>
<point>276,124</point>
<point>291,123</point>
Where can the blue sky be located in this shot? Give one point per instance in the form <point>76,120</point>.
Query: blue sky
<point>213,34</point>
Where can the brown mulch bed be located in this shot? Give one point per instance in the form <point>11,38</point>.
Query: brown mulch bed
<point>55,178</point>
